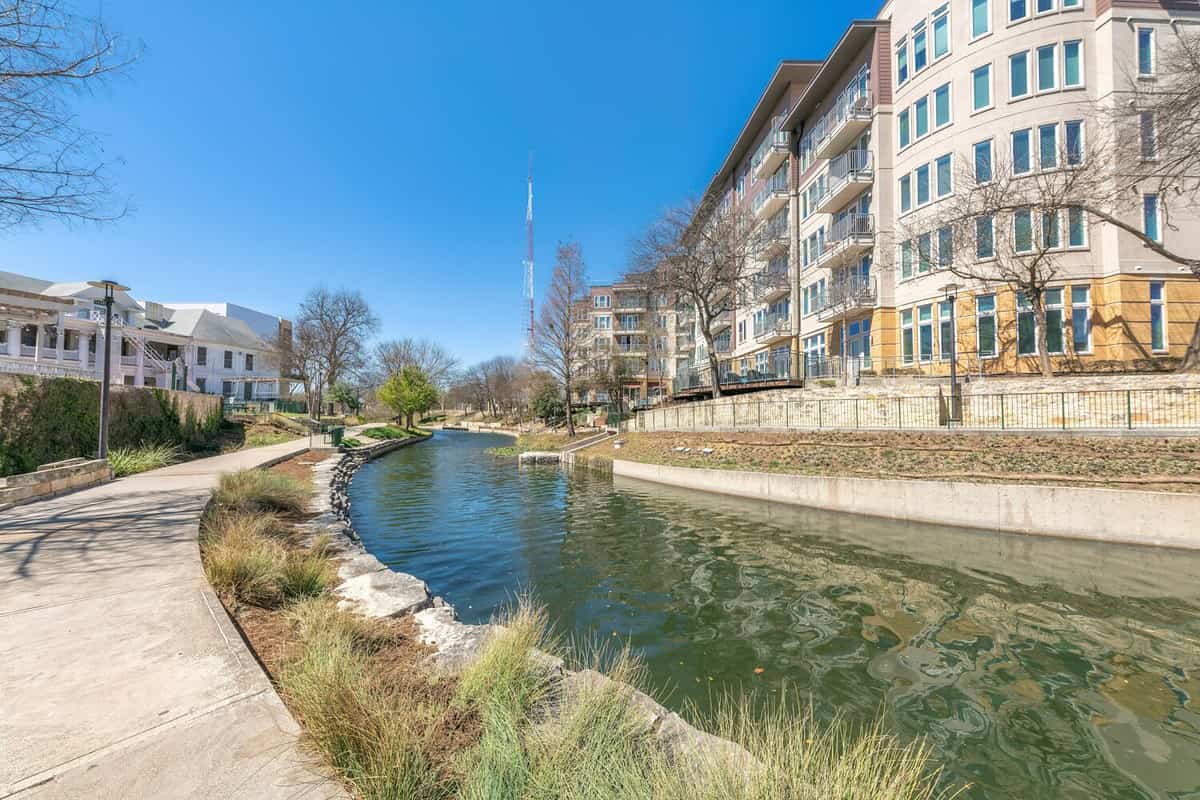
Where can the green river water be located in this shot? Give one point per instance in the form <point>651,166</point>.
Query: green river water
<point>1035,667</point>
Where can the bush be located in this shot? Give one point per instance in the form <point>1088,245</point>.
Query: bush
<point>129,461</point>
<point>252,490</point>
<point>242,556</point>
<point>305,574</point>
<point>351,442</point>
<point>386,432</point>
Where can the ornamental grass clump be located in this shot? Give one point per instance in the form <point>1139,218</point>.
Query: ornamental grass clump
<point>132,460</point>
<point>243,557</point>
<point>251,490</point>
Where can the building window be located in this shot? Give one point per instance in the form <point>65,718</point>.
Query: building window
<point>941,106</point>
<point>602,301</point>
<point>1073,64</point>
<point>1044,6</point>
<point>985,325</point>
<point>905,194</point>
<point>1158,317</point>
<point>1018,10</point>
<point>1026,327</point>
<point>925,331</point>
<point>906,259</point>
<point>905,128</point>
<point>228,359</point>
<point>906,335</point>
<point>920,54</point>
<point>941,32</point>
<point>985,237</point>
<point>945,181</point>
<point>921,115</point>
<point>1149,135</point>
<point>1053,302</point>
<point>201,356</point>
<point>945,330</point>
<point>981,18</point>
<point>1048,146</point>
<point>1081,319</point>
<point>1023,230</point>
<point>249,362</point>
<point>945,244</point>
<point>200,385</point>
<point>1070,4</point>
<point>1151,214</point>
<point>1022,157</point>
<point>925,253</point>
<point>1051,236</point>
<point>1047,68</point>
<point>922,184</point>
<point>1076,227</point>
<point>902,62</point>
<point>983,161</point>
<point>1074,137</point>
<point>981,88</point>
<point>603,323</point>
<point>1145,52</point>
<point>1018,75</point>
<point>227,388</point>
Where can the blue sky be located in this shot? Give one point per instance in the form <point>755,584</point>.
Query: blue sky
<point>269,147</point>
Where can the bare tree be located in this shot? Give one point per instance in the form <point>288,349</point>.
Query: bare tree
<point>704,253</point>
<point>308,360</point>
<point>338,323</point>
<point>430,357</point>
<point>49,167</point>
<point>559,337</point>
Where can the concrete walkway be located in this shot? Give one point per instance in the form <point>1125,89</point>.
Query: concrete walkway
<point>120,673</point>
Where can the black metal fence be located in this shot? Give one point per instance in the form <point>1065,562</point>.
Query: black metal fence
<point>1105,409</point>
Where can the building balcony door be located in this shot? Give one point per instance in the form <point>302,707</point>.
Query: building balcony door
<point>247,391</point>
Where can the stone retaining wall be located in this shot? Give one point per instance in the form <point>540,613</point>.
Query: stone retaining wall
<point>52,479</point>
<point>371,588</point>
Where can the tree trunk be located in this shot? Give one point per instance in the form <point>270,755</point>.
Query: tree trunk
<point>1039,314</point>
<point>570,416</point>
<point>714,365</point>
<point>1191,358</point>
<point>845,372</point>
<point>408,420</point>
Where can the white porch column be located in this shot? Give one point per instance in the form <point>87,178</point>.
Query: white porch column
<point>139,374</point>
<point>37,341</point>
<point>61,339</point>
<point>14,340</point>
<point>101,344</point>
<point>85,345</point>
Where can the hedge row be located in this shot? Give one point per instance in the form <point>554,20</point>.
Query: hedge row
<point>46,420</point>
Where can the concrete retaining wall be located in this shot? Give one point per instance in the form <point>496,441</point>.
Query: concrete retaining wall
<point>1109,515</point>
<point>52,479</point>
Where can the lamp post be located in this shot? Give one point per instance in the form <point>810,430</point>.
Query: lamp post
<point>951,292</point>
<point>110,288</point>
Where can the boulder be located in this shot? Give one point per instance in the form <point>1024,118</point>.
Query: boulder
<point>384,594</point>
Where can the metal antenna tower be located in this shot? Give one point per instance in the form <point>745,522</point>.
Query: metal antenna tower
<point>529,253</point>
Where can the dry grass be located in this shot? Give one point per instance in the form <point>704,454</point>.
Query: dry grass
<point>253,490</point>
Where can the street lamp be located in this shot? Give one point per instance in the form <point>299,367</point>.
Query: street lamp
<point>110,288</point>
<point>951,292</point>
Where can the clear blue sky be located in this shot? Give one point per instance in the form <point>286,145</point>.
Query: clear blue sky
<point>268,147</point>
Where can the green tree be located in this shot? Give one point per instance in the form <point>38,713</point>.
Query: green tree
<point>408,392</point>
<point>548,403</point>
<point>346,396</point>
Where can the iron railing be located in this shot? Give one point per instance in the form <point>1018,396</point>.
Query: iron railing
<point>1103,409</point>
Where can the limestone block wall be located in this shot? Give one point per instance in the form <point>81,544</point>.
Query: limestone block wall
<point>52,479</point>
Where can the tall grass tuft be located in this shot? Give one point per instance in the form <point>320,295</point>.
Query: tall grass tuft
<point>305,574</point>
<point>259,490</point>
<point>242,556</point>
<point>132,460</point>
<point>371,730</point>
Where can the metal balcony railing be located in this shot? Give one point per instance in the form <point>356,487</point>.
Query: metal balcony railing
<point>854,103</point>
<point>845,297</point>
<point>772,325</point>
<point>851,230</point>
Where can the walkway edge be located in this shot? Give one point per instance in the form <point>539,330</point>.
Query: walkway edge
<point>1160,519</point>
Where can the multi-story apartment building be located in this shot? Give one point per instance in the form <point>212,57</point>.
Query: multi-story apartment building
<point>851,155</point>
<point>57,329</point>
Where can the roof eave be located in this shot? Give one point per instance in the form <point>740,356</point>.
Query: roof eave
<point>857,35</point>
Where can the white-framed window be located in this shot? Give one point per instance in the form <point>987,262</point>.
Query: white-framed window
<point>1051,231</point>
<point>984,167</point>
<point>945,330</point>
<point>904,123</point>
<point>602,301</point>
<point>1048,146</point>
<point>941,107</point>
<point>1043,6</point>
<point>906,335</point>
<point>1072,64</point>
<point>1018,75</point>
<point>902,62</point>
<point>1147,61</point>
<point>925,331</point>
<point>1073,137</point>
<point>1018,10</point>
<point>1076,228</point>
<point>981,18</point>
<point>922,174</point>
<point>985,237</point>
<point>1022,223</point>
<point>1026,327</point>
<point>1158,317</point>
<point>981,88</point>
<point>985,325</point>
<point>925,253</point>
<point>1053,303</point>
<point>1152,217</point>
<point>1072,5</point>
<point>941,31</point>
<point>943,175</point>
<point>1081,319</point>
<point>905,194</point>
<point>945,247</point>
<point>602,323</point>
<point>1047,68</point>
<point>921,117</point>
<point>920,48</point>
<point>1148,131</point>
<point>906,259</point>
<point>1022,151</point>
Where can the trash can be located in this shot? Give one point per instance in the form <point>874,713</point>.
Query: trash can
<point>335,435</point>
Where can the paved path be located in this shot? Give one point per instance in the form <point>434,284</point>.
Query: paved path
<point>120,674</point>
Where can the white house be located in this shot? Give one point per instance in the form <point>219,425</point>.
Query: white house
<point>51,328</point>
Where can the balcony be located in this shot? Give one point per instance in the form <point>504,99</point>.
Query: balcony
<point>771,283</point>
<point>849,236</point>
<point>850,174</point>
<point>771,327</point>
<point>631,303</point>
<point>772,197</point>
<point>722,321</point>
<point>845,122</point>
<point>775,153</point>
<point>846,298</point>
<point>631,327</point>
<point>685,344</point>
<point>774,237</point>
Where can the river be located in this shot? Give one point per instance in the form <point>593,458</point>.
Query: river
<point>1035,667</point>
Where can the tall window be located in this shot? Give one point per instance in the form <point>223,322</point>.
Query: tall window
<point>228,359</point>
<point>925,252</point>
<point>906,335</point>
<point>1026,327</point>
<point>903,120</point>
<point>1149,135</point>
<point>905,193</point>
<point>1145,52</point>
<point>985,325</point>
<point>925,331</point>
<point>981,88</point>
<point>1081,319</point>
<point>985,237</point>
<point>201,356</point>
<point>1073,133</point>
<point>941,106</point>
<point>249,362</point>
<point>921,112</point>
<point>1158,317</point>
<point>1047,68</point>
<point>1150,217</point>
<point>945,330</point>
<point>981,18</point>
<point>1022,155</point>
<point>945,255</point>
<point>1018,75</point>
<point>1017,10</point>
<point>983,161</point>
<point>1072,64</point>
<point>1076,227</point>
<point>922,184</point>
<point>1044,6</point>
<point>920,53</point>
<point>902,62</point>
<point>1053,299</point>
<point>906,259</point>
<point>1051,235</point>
<point>941,31</point>
<point>945,179</point>
<point>1023,230</point>
<point>1048,146</point>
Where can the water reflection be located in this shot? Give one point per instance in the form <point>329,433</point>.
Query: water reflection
<point>1037,667</point>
